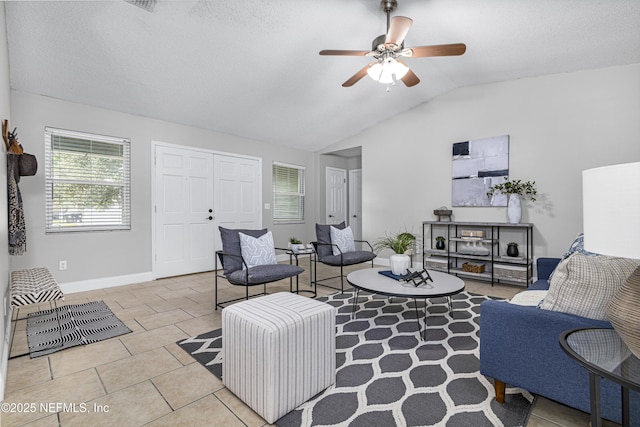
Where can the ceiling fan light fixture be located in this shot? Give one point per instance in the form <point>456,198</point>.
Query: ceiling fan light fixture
<point>387,49</point>
<point>387,71</point>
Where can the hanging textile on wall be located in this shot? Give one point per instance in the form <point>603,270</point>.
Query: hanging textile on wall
<point>19,164</point>
<point>17,227</point>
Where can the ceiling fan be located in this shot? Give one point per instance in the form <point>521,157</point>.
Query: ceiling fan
<point>388,49</point>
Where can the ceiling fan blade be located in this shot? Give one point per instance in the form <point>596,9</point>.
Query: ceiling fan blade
<point>398,30</point>
<point>357,76</point>
<point>344,52</point>
<point>409,79</point>
<point>436,50</point>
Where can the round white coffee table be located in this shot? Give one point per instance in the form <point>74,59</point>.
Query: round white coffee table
<point>370,280</point>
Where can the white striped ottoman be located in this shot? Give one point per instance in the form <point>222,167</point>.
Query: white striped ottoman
<point>278,351</point>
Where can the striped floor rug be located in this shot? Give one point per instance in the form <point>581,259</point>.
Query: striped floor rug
<point>79,323</point>
<point>388,376</point>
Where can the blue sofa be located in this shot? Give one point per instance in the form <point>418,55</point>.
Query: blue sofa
<point>519,346</point>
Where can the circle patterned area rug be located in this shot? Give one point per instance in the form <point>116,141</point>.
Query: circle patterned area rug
<point>388,376</point>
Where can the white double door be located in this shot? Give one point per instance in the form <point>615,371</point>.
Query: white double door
<point>195,192</point>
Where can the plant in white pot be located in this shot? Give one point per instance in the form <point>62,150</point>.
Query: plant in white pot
<point>515,190</point>
<point>400,243</point>
<point>296,245</point>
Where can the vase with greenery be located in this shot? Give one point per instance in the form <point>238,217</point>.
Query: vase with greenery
<point>515,189</point>
<point>296,244</point>
<point>400,243</point>
<point>440,243</point>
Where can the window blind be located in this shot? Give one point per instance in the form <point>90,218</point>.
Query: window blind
<point>88,182</point>
<point>288,193</point>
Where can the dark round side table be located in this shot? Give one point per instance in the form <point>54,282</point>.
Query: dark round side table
<point>312,260</point>
<point>604,355</point>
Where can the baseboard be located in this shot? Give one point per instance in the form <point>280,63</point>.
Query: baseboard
<point>3,371</point>
<point>105,282</point>
<point>5,355</point>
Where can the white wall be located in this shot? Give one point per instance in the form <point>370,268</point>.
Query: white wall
<point>4,237</point>
<point>94,255</point>
<point>559,125</point>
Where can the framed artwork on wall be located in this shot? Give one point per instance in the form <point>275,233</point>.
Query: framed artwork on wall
<point>477,165</point>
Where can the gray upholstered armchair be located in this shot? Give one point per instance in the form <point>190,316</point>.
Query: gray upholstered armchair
<point>330,253</point>
<point>242,270</point>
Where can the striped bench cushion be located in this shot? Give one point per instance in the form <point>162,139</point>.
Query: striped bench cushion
<point>278,351</point>
<point>32,286</point>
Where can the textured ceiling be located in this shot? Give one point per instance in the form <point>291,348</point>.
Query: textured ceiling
<point>251,67</point>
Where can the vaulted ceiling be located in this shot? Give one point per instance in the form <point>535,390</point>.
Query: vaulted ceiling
<point>251,67</point>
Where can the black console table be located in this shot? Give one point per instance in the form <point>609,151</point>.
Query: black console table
<point>481,244</point>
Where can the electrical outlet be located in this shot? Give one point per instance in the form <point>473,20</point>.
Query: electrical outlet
<point>62,265</point>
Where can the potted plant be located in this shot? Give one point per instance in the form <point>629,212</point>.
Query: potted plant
<point>512,249</point>
<point>400,243</point>
<point>515,190</point>
<point>440,243</point>
<point>296,245</point>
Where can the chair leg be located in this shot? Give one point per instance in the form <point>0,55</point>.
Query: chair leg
<point>215,281</point>
<point>500,390</point>
<point>314,272</point>
<point>53,306</point>
<point>15,326</point>
<point>341,279</point>
<point>215,294</point>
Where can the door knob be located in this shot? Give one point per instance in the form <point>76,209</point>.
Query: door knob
<point>330,216</point>
<point>355,216</point>
<point>209,218</point>
<point>210,210</point>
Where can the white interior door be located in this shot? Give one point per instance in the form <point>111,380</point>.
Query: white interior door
<point>355,202</point>
<point>336,190</point>
<point>184,227</point>
<point>237,193</point>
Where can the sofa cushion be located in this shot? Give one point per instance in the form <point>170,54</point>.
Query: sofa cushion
<point>231,245</point>
<point>257,250</point>
<point>342,239</point>
<point>323,234</point>
<point>531,298</point>
<point>584,285</point>
<point>263,274</point>
<point>576,247</point>
<point>349,258</point>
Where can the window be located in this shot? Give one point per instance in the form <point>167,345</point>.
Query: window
<point>288,193</point>
<point>87,180</point>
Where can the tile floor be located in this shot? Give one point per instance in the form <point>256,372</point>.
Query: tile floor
<point>144,378</point>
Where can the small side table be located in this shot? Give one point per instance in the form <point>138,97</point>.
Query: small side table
<point>604,355</point>
<point>312,261</point>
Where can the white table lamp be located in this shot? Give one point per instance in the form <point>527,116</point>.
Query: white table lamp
<point>611,212</point>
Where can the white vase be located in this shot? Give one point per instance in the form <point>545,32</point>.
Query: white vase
<point>399,263</point>
<point>514,209</point>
